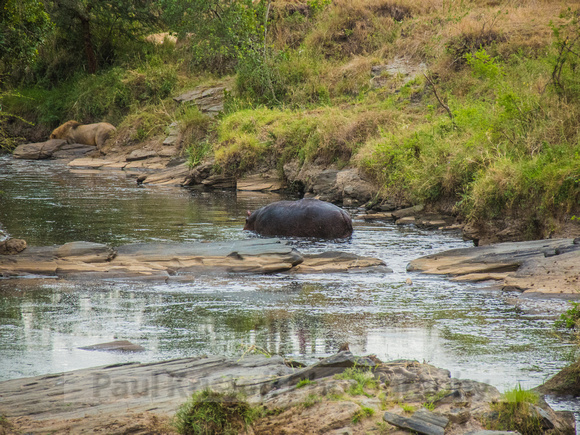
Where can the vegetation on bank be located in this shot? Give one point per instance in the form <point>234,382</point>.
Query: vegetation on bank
<point>483,115</point>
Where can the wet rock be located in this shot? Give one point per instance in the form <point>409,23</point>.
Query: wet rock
<point>174,176</point>
<point>333,261</point>
<point>115,346</point>
<point>408,212</point>
<point>423,422</point>
<point>38,151</point>
<point>86,252</point>
<point>528,266</point>
<point>378,216</point>
<point>407,220</point>
<point>220,181</point>
<point>12,246</point>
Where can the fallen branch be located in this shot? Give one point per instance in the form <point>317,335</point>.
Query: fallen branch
<point>445,106</point>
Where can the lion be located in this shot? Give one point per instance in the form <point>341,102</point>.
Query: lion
<point>88,134</point>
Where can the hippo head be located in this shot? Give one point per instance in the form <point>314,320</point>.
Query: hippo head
<point>249,221</point>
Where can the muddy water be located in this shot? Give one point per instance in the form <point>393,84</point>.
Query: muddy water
<point>474,331</point>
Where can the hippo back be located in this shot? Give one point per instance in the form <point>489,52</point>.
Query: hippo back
<point>303,218</point>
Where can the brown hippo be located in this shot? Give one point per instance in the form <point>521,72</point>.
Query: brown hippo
<point>303,218</point>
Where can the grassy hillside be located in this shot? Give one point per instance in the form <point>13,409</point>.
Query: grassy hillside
<point>486,124</point>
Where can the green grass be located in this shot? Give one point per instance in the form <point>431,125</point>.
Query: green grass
<point>364,379</point>
<point>208,412</point>
<point>515,412</point>
<point>362,413</point>
<point>519,395</point>
<point>305,382</point>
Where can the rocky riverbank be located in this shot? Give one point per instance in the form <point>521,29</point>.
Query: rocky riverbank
<point>340,394</point>
<point>541,266</point>
<point>177,261</point>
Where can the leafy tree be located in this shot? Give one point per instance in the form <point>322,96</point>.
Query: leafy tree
<point>23,26</point>
<point>94,27</point>
<point>220,32</point>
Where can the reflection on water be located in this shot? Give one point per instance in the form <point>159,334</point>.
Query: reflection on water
<point>477,333</point>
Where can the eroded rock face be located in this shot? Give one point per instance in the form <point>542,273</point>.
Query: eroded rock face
<point>12,246</point>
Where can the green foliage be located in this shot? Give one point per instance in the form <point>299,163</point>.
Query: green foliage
<point>484,65</point>
<point>304,382</point>
<point>571,318</point>
<point>567,59</point>
<point>515,412</point>
<point>94,30</point>
<point>23,26</point>
<point>362,413</point>
<point>106,96</point>
<point>519,395</point>
<point>364,379</point>
<point>219,32</point>
<point>408,408</point>
<point>208,412</point>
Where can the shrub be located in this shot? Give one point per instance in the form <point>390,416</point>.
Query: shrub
<point>208,412</point>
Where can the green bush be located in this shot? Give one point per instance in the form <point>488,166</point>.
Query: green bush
<point>208,412</point>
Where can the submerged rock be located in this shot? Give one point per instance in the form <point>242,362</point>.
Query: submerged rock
<point>115,346</point>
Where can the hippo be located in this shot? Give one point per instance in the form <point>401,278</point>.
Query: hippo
<point>303,218</point>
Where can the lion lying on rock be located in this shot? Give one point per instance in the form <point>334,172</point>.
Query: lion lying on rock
<point>89,134</point>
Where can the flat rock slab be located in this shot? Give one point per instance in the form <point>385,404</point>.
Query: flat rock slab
<point>39,150</point>
<point>259,183</point>
<point>178,261</point>
<point>423,422</point>
<point>86,399</point>
<point>540,266</point>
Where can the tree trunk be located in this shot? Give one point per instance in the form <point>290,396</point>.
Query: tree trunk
<point>90,52</point>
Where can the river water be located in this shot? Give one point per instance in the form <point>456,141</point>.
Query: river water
<point>475,331</point>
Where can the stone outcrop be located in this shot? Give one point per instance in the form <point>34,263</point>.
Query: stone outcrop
<point>178,261</point>
<point>53,148</point>
<point>540,266</point>
<point>138,398</point>
<point>208,99</point>
<point>348,186</point>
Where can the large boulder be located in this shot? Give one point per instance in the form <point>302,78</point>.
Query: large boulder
<point>39,150</point>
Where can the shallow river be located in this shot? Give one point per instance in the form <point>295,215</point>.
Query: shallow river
<point>474,331</point>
